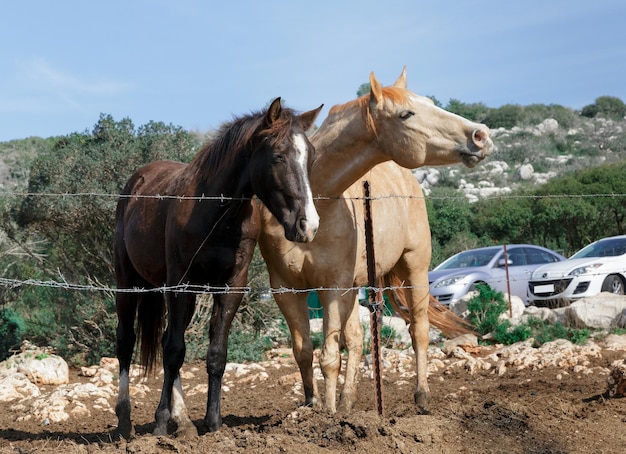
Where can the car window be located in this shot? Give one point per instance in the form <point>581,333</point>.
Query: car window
<point>516,257</point>
<point>603,248</point>
<point>538,257</point>
<point>469,259</point>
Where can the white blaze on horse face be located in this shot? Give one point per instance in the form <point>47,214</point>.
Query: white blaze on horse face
<point>302,149</point>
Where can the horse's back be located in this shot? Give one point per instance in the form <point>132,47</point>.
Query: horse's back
<point>154,178</point>
<point>139,241</point>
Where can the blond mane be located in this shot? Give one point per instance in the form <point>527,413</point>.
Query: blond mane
<point>394,94</point>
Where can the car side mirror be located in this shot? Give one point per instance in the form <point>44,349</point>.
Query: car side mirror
<point>502,263</point>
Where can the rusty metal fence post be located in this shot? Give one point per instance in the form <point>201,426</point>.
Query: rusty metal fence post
<point>375,299</point>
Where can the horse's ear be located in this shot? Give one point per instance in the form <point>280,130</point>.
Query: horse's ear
<point>273,113</point>
<point>401,82</point>
<point>376,91</point>
<point>307,119</point>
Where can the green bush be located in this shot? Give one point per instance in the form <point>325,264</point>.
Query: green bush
<point>506,116</point>
<point>541,332</point>
<point>507,334</point>
<point>73,234</point>
<point>544,332</point>
<point>605,106</point>
<point>485,308</point>
<point>388,335</point>
<point>11,332</point>
<point>244,346</point>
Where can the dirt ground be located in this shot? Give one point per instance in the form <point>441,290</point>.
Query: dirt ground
<point>520,412</point>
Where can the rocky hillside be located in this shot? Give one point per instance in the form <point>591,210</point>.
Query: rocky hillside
<point>525,156</point>
<point>531,155</point>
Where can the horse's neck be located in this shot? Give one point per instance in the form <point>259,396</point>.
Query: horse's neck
<point>345,151</point>
<point>229,181</point>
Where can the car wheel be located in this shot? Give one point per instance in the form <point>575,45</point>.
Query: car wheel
<point>473,287</point>
<point>613,284</point>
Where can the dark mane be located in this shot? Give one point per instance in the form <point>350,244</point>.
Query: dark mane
<point>234,140</point>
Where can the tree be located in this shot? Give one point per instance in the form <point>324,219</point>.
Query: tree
<point>475,112</point>
<point>435,101</point>
<point>506,116</point>
<point>592,210</point>
<point>73,187</point>
<point>606,106</point>
<point>449,216</point>
<point>363,89</point>
<point>502,220</point>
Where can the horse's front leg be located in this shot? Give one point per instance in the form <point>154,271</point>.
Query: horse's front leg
<point>171,405</point>
<point>296,312</point>
<point>224,309</point>
<point>353,339</point>
<point>337,310</point>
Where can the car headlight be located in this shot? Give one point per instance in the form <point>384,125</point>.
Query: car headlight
<point>449,281</point>
<point>587,269</point>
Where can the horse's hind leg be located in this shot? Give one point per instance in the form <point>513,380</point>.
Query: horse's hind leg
<point>180,416</point>
<point>180,308</point>
<point>413,271</point>
<point>126,308</point>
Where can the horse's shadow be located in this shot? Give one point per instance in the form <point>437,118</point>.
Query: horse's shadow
<point>111,436</point>
<point>231,421</point>
<point>82,438</point>
<point>599,398</point>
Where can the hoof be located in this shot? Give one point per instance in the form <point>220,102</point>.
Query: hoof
<point>187,431</point>
<point>312,402</point>
<point>422,401</point>
<point>160,430</point>
<point>124,426</point>
<point>346,405</point>
<point>213,426</point>
<point>126,432</point>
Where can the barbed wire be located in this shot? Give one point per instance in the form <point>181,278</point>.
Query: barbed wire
<point>223,198</point>
<point>183,288</point>
<point>202,289</point>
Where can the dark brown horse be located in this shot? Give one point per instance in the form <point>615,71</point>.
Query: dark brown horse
<point>182,227</point>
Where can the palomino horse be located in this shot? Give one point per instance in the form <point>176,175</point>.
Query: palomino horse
<point>353,144</point>
<point>169,236</point>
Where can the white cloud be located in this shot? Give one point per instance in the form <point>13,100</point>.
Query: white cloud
<point>37,86</point>
<point>47,76</point>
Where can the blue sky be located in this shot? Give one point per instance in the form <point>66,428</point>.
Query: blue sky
<point>197,63</point>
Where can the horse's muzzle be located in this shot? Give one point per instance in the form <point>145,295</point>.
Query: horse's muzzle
<point>479,148</point>
<point>304,231</point>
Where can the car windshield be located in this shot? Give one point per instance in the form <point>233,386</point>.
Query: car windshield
<point>469,259</point>
<point>610,247</point>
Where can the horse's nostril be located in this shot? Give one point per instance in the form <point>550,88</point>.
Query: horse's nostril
<point>480,137</point>
<point>302,225</point>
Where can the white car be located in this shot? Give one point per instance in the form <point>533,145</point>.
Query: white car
<point>598,267</point>
<point>459,274</point>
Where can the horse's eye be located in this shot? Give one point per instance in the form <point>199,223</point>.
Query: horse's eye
<point>279,158</point>
<point>405,115</point>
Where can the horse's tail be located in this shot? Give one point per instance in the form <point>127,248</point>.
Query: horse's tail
<point>150,316</point>
<point>439,316</point>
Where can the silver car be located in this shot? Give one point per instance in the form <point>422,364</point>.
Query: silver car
<point>458,275</point>
<point>598,267</point>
